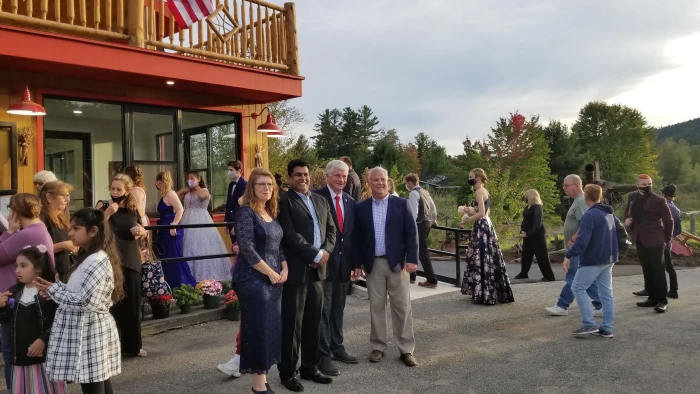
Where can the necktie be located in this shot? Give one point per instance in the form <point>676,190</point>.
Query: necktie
<point>234,187</point>
<point>339,213</point>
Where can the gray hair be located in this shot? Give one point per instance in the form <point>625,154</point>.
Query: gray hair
<point>574,178</point>
<point>336,165</point>
<point>45,176</point>
<point>378,168</point>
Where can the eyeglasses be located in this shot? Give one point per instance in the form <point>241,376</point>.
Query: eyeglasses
<point>264,185</point>
<point>65,196</point>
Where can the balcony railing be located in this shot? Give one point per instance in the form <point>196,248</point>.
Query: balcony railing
<point>251,33</point>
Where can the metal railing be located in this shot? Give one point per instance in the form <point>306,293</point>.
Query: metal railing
<point>456,232</point>
<point>184,226</point>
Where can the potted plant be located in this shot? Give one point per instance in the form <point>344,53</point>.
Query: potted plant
<point>185,296</point>
<point>211,293</point>
<point>233,307</point>
<point>160,305</point>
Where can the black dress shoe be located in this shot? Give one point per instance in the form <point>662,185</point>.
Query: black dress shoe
<point>345,358</point>
<point>642,293</point>
<point>521,276</point>
<point>661,308</point>
<point>293,384</point>
<point>329,369</point>
<point>673,294</point>
<point>317,377</point>
<point>547,280</point>
<point>647,304</point>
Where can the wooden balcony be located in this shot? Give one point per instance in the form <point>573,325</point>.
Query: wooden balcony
<point>250,33</point>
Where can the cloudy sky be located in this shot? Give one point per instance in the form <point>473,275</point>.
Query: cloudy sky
<point>450,68</point>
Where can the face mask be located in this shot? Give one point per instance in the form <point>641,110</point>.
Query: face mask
<point>645,189</point>
<point>231,174</point>
<point>191,184</point>
<point>471,182</point>
<point>118,199</point>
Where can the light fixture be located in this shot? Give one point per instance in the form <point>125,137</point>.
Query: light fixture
<point>270,126</point>
<point>27,106</point>
<point>170,82</point>
<point>77,112</point>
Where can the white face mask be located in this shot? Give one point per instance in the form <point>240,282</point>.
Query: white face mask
<point>231,174</point>
<point>192,184</point>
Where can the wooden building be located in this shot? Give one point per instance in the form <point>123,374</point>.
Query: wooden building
<point>122,85</point>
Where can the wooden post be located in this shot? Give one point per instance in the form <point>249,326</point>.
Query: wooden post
<point>692,223</point>
<point>136,24</point>
<point>292,39</point>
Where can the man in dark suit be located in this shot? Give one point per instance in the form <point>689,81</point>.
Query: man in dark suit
<point>651,225</point>
<point>338,270</point>
<point>353,187</point>
<point>309,240</point>
<point>386,240</point>
<point>235,190</point>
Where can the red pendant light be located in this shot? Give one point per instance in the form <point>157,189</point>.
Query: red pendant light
<point>27,107</point>
<point>275,134</point>
<point>270,126</point>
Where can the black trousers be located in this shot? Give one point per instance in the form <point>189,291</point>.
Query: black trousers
<point>536,246</point>
<point>672,277</point>
<point>302,307</point>
<point>653,267</point>
<point>331,343</point>
<point>424,254</point>
<point>127,313</point>
<point>97,387</point>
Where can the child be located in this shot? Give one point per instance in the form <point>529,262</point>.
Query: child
<point>30,318</point>
<point>84,345</point>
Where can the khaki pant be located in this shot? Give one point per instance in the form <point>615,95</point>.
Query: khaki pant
<point>380,282</point>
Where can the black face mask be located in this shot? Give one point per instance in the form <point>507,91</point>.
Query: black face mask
<point>119,199</point>
<point>471,182</point>
<point>645,189</point>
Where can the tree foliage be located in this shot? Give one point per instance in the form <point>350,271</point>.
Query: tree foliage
<point>289,118</point>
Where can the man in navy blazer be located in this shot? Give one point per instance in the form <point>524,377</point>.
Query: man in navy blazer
<point>235,190</point>
<point>339,269</point>
<point>386,241</point>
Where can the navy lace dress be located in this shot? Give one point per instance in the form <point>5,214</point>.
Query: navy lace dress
<point>261,324</point>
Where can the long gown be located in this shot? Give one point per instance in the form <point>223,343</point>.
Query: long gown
<point>485,277</point>
<point>176,273</point>
<point>203,241</point>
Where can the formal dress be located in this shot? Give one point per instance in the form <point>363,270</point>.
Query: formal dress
<point>203,241</point>
<point>176,273</point>
<point>485,277</point>
<point>261,327</point>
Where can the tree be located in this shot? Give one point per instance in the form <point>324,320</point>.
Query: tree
<point>674,162</point>
<point>288,118</point>
<point>432,157</point>
<point>328,141</point>
<point>565,155</point>
<point>366,129</point>
<point>350,142</point>
<point>617,136</point>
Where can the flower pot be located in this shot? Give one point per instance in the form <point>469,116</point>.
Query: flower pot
<point>160,311</point>
<point>211,302</point>
<point>184,309</point>
<point>233,314</point>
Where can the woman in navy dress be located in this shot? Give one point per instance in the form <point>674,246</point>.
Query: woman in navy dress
<point>260,270</point>
<point>170,241</point>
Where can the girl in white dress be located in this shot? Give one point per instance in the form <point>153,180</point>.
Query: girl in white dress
<point>202,241</point>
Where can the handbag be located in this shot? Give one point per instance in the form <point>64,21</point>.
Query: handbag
<point>153,280</point>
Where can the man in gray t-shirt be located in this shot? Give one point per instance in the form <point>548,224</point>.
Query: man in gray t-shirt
<point>573,187</point>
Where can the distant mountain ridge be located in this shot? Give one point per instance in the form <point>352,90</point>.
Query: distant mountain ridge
<point>688,131</point>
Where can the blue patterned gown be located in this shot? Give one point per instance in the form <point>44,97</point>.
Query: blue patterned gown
<point>261,308</point>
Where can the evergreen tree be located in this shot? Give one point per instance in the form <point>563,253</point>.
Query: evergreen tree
<point>328,140</point>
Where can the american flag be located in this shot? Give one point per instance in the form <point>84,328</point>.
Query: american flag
<point>187,12</point>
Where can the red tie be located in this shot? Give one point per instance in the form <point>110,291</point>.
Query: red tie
<point>339,213</point>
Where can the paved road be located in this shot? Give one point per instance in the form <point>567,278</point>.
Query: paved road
<point>468,348</point>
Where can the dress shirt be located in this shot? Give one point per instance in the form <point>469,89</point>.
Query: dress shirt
<point>342,203</point>
<point>379,210</point>
<point>414,200</point>
<point>317,227</point>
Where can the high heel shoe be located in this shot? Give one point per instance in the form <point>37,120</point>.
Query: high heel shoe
<point>259,392</point>
<point>269,389</point>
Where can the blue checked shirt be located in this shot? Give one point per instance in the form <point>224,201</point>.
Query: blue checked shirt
<point>317,227</point>
<point>379,210</point>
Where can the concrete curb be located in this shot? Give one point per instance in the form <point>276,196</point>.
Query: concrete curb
<point>177,320</point>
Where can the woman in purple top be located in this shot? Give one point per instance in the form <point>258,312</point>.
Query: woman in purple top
<point>24,229</point>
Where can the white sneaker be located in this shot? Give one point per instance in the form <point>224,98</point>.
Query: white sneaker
<point>597,313</point>
<point>557,311</point>
<point>232,367</point>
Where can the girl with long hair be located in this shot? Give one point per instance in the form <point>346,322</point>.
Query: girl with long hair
<point>55,197</point>
<point>84,342</point>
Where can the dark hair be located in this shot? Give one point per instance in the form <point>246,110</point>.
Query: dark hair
<point>278,179</point>
<point>296,163</point>
<point>413,178</point>
<point>104,240</point>
<point>202,184</point>
<point>41,262</point>
<point>236,164</point>
<point>346,160</point>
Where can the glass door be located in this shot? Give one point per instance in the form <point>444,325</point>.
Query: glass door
<point>69,156</point>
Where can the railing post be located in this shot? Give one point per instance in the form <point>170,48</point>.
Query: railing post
<point>290,19</point>
<point>458,268</point>
<point>136,23</point>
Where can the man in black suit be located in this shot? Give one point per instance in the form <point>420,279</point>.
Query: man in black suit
<point>338,270</point>
<point>235,190</point>
<point>353,187</point>
<point>309,240</point>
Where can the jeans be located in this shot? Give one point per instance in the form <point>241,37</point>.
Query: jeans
<point>331,338</point>
<point>567,297</point>
<point>7,353</point>
<point>602,276</point>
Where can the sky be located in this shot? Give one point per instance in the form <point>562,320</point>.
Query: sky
<point>451,68</point>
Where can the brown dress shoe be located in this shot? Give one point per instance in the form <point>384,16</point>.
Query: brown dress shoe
<point>427,285</point>
<point>409,360</point>
<point>376,356</point>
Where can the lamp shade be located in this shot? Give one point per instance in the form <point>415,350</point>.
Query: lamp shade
<point>269,126</point>
<point>275,134</point>
<point>26,107</point>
